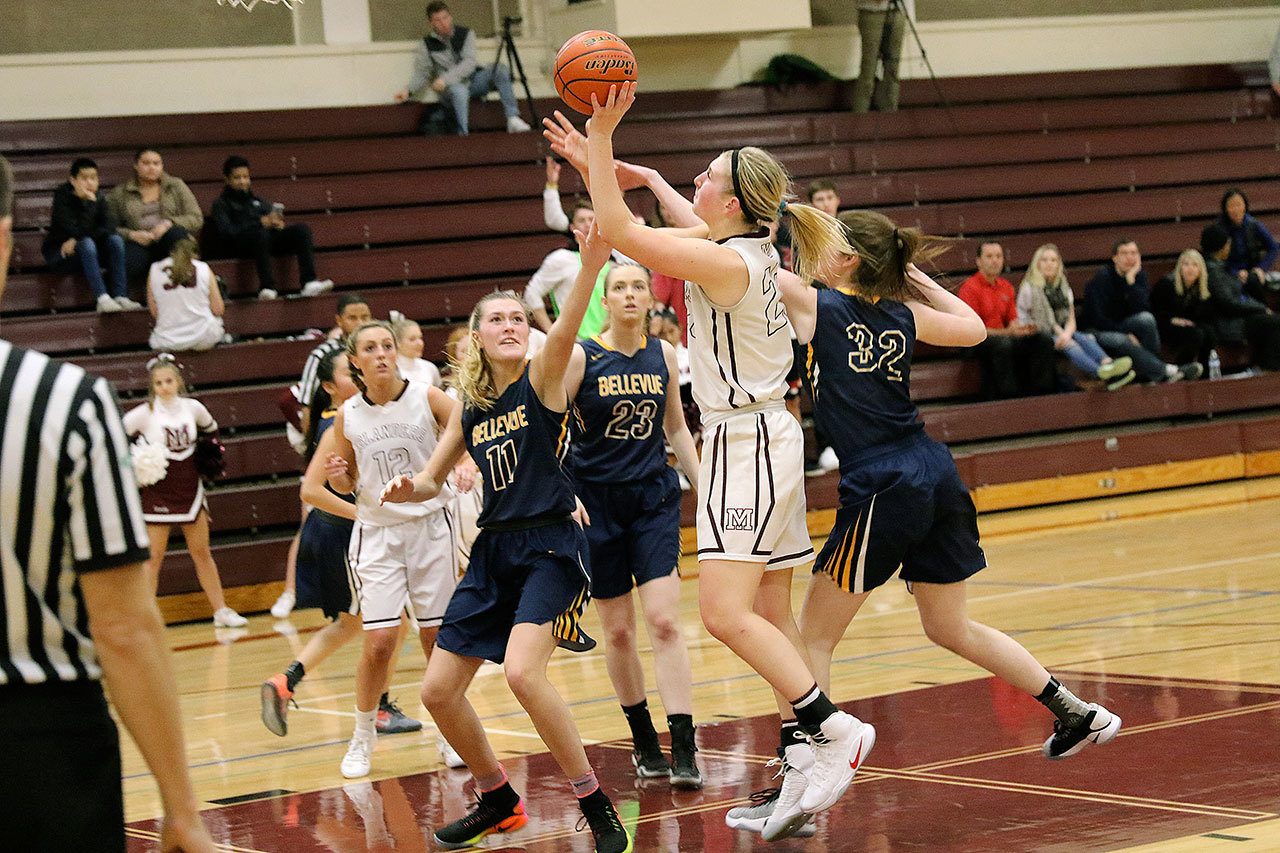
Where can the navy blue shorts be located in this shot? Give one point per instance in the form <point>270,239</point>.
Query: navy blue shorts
<point>905,506</point>
<point>634,533</point>
<point>537,575</point>
<point>324,577</point>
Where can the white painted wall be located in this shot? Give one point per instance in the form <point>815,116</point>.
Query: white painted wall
<point>89,84</point>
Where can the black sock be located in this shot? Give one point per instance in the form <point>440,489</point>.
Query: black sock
<point>790,735</point>
<point>597,799</point>
<point>643,734</point>
<point>503,797</point>
<point>681,728</point>
<point>812,709</point>
<point>1062,702</point>
<point>293,674</point>
<point>382,701</point>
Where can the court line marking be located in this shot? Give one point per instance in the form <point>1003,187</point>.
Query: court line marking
<point>427,724</point>
<point>150,835</point>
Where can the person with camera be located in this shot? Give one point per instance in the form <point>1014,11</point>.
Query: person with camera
<point>245,225</point>
<point>447,60</point>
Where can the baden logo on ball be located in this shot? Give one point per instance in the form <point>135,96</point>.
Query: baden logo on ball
<point>591,62</point>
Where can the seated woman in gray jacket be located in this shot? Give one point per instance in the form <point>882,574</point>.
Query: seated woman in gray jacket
<point>152,212</point>
<point>1045,300</point>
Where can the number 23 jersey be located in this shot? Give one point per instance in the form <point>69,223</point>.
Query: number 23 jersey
<point>520,445</point>
<point>859,364</point>
<point>619,409</point>
<point>389,440</point>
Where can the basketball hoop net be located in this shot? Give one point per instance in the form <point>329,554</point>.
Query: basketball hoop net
<point>248,5</point>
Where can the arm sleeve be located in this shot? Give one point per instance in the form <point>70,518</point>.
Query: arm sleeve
<point>552,211</point>
<point>1011,310</point>
<point>104,524</point>
<point>1140,293</point>
<point>204,420</point>
<point>1025,298</point>
<point>467,63</point>
<point>63,222</point>
<point>188,213</point>
<point>224,224</point>
<point>421,68</point>
<point>118,213</point>
<point>1095,303</point>
<point>310,380</point>
<point>544,281</point>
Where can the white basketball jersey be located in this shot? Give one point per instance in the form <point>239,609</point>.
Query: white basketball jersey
<point>396,438</point>
<point>182,313</point>
<point>173,425</point>
<point>740,355</point>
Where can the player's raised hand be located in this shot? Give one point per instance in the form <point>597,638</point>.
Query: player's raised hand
<point>566,141</point>
<point>398,490</point>
<point>593,248</point>
<point>605,117</point>
<point>335,466</point>
<point>579,513</point>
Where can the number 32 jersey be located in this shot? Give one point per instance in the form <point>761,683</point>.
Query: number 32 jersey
<point>519,445</point>
<point>389,440</point>
<point>859,364</point>
<point>619,409</point>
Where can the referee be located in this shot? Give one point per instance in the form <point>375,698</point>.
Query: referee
<point>75,607</point>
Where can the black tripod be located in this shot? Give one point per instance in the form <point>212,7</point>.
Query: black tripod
<point>896,7</point>
<point>507,50</point>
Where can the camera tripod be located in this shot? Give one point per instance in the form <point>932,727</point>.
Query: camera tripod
<point>507,50</point>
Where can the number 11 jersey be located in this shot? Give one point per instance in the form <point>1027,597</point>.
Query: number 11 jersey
<point>520,445</point>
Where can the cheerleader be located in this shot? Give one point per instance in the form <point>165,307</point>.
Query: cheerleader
<point>174,423</point>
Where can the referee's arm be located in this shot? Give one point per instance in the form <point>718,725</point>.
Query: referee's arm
<point>107,538</point>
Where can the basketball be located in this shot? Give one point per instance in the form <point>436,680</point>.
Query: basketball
<point>591,62</point>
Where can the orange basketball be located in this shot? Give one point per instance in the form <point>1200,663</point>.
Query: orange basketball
<point>591,62</point>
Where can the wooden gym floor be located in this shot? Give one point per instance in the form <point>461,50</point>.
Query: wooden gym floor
<point>1172,618</point>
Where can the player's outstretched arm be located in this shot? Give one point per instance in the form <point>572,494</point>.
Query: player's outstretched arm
<point>673,422</point>
<point>801,302</point>
<point>428,482</point>
<point>942,318</point>
<point>313,491</point>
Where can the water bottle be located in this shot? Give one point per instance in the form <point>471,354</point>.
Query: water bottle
<point>1215,365</point>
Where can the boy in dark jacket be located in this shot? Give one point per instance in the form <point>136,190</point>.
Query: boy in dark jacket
<point>246,226</point>
<point>1238,317</point>
<point>81,236</point>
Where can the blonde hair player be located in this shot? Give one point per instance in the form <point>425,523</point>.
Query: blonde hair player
<point>527,581</point>
<point>400,556</point>
<point>751,513</point>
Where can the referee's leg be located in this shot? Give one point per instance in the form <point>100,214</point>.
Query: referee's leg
<point>63,789</point>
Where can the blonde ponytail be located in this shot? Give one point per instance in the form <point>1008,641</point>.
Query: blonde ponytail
<point>183,255</point>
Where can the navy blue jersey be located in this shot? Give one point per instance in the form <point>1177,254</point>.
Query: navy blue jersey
<point>860,367</point>
<point>326,421</point>
<point>519,446</point>
<point>619,409</point>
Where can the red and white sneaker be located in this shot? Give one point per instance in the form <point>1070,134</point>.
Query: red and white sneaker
<point>839,749</point>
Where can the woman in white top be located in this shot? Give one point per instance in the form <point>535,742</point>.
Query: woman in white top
<point>173,421</point>
<point>409,347</point>
<point>401,555</point>
<point>751,514</point>
<point>184,300</point>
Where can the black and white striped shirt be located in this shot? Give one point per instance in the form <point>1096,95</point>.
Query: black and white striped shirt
<point>310,381</point>
<point>69,504</point>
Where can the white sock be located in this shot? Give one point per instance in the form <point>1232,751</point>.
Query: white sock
<point>1170,370</point>
<point>365,720</point>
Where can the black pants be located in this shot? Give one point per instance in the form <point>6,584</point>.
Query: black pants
<point>138,258</point>
<point>1188,343</point>
<point>62,790</point>
<point>1017,366</point>
<point>1263,333</point>
<point>266,243</point>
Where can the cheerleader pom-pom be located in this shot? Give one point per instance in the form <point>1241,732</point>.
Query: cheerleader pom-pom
<point>150,464</point>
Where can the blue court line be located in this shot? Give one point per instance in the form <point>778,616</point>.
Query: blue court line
<point>1036,584</point>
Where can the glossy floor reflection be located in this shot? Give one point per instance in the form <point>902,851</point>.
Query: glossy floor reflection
<point>956,767</point>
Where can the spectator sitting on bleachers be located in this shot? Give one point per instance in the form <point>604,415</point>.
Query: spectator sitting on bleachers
<point>1046,302</point>
<point>409,346</point>
<point>554,279</point>
<point>1117,303</point>
<point>185,301</point>
<point>1017,358</point>
<point>80,238</point>
<point>152,211</point>
<point>244,225</point>
<point>1253,249</point>
<point>446,59</point>
<point>1238,317</point>
<point>1183,308</point>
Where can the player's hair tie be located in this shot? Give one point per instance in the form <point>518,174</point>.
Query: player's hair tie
<point>782,208</point>
<point>737,188</point>
<point>163,358</point>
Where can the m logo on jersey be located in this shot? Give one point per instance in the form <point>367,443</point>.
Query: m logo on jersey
<point>739,518</point>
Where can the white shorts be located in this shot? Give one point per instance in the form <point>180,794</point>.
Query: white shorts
<point>751,505</point>
<point>413,564</point>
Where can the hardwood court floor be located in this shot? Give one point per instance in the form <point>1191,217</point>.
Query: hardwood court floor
<point>1173,620</point>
